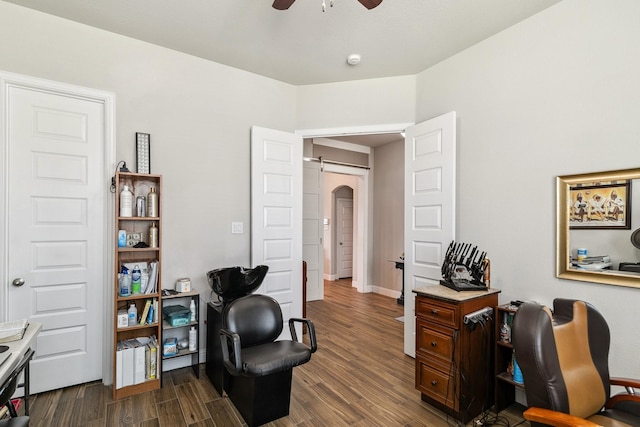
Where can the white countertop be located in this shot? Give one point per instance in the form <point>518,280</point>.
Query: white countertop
<point>442,292</point>
<point>18,349</point>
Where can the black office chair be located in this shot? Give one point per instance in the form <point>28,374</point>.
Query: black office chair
<point>8,389</point>
<point>564,358</point>
<point>261,367</point>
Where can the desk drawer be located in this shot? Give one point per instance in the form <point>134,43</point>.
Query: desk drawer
<point>435,384</point>
<point>439,312</point>
<point>434,342</point>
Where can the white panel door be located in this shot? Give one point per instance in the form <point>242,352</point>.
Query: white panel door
<point>276,216</point>
<point>430,183</point>
<point>344,236</point>
<point>55,234</point>
<point>313,228</point>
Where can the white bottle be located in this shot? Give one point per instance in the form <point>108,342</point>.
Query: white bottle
<point>133,315</point>
<point>126,202</point>
<point>192,307</point>
<point>192,338</point>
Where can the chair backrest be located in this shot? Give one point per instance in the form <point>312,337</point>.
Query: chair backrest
<point>256,318</point>
<point>563,356</point>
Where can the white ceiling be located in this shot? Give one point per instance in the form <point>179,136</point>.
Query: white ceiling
<point>303,45</point>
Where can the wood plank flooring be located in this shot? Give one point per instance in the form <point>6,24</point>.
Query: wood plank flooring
<point>358,377</point>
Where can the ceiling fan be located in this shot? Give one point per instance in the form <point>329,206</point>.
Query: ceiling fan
<point>285,4</point>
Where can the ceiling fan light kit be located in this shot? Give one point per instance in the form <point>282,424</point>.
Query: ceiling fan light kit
<point>286,4</point>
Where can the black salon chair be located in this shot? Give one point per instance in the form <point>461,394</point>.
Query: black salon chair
<point>261,367</point>
<point>8,389</point>
<point>564,361</point>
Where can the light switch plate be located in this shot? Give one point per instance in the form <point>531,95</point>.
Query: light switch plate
<point>237,228</point>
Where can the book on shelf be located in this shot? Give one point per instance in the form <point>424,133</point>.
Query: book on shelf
<point>145,312</point>
<point>152,283</point>
<point>136,361</point>
<point>148,313</point>
<point>13,331</point>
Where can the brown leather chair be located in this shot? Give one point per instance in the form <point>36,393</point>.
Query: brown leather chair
<point>564,356</point>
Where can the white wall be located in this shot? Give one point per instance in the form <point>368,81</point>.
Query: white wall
<point>556,94</point>
<point>388,220</point>
<point>198,113</point>
<point>356,103</point>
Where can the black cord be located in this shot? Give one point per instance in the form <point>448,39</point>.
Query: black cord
<point>452,369</point>
<point>123,168</point>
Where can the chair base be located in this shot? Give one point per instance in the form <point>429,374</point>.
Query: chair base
<point>261,399</point>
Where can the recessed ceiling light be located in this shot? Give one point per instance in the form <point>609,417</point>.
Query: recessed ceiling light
<point>353,59</point>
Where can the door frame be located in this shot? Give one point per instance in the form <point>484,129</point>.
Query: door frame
<point>365,197</point>
<point>8,79</point>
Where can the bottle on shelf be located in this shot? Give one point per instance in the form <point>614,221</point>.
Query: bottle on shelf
<point>153,235</point>
<point>126,202</point>
<point>192,308</point>
<point>517,372</point>
<point>505,329</point>
<point>136,278</point>
<point>133,315</point>
<point>125,282</point>
<point>192,338</point>
<point>152,203</point>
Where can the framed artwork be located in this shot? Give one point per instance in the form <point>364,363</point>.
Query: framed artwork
<point>143,152</point>
<point>601,205</point>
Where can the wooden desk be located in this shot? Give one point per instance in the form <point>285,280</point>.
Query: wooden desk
<point>19,350</point>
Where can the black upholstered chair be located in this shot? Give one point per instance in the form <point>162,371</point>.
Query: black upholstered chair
<point>563,356</point>
<point>261,367</point>
<point>6,391</point>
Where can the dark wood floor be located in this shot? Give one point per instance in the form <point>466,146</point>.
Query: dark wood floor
<point>358,377</point>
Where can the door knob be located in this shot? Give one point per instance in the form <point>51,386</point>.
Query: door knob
<point>18,282</point>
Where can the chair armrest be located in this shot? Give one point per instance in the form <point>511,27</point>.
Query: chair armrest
<point>231,340</point>
<point>625,382</point>
<point>310,327</point>
<point>557,419</point>
<point>630,384</point>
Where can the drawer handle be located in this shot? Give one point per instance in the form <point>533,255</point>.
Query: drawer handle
<point>434,383</point>
<point>434,311</point>
<point>433,343</point>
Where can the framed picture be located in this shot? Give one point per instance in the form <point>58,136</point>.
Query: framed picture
<point>143,152</point>
<point>602,205</point>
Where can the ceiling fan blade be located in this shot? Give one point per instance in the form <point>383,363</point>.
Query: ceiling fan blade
<point>283,4</point>
<point>370,4</point>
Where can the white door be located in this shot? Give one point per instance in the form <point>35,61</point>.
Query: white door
<point>344,235</point>
<point>313,228</point>
<point>276,216</point>
<point>55,229</point>
<point>430,183</point>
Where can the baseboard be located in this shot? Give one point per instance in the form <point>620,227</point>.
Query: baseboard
<point>386,292</point>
